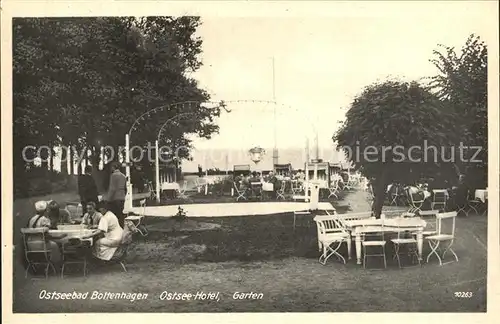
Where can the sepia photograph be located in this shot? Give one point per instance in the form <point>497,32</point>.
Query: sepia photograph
<point>246,163</point>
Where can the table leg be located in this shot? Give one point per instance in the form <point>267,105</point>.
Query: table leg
<point>349,247</point>
<point>420,243</point>
<point>358,248</point>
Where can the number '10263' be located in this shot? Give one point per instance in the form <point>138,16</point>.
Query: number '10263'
<point>463,294</point>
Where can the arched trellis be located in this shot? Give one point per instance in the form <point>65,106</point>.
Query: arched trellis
<point>220,104</point>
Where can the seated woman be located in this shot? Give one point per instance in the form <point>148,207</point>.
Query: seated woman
<point>57,215</point>
<point>109,235</point>
<point>92,217</point>
<point>40,220</point>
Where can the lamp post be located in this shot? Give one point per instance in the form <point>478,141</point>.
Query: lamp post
<point>256,154</point>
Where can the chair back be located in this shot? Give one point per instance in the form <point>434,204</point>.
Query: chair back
<point>369,234</point>
<point>443,219</point>
<point>440,197</point>
<point>329,224</point>
<point>75,210</point>
<point>35,241</point>
<point>411,197</point>
<point>355,216</point>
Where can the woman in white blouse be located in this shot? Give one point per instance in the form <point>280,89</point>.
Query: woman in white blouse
<point>111,233</point>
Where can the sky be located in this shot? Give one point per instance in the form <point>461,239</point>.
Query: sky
<point>320,65</point>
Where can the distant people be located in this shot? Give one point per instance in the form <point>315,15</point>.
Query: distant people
<point>200,171</point>
<point>40,219</point>
<point>300,176</point>
<point>254,178</point>
<point>87,188</point>
<point>461,192</point>
<point>116,192</point>
<point>110,232</point>
<point>92,217</point>
<point>57,215</point>
<point>271,178</point>
<point>238,180</point>
<point>245,182</point>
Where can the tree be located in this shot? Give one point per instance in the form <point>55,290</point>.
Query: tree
<point>392,124</point>
<point>74,80</point>
<point>462,83</point>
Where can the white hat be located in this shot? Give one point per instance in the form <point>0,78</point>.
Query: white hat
<point>41,206</point>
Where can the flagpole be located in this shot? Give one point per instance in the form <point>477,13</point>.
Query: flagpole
<point>275,151</point>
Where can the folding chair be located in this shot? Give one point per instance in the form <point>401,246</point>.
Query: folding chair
<point>333,188</point>
<point>431,220</point>
<point>152,191</point>
<point>183,189</point>
<point>371,240</point>
<point>395,195</point>
<point>74,252</point>
<point>36,250</point>
<point>442,236</point>
<point>296,187</point>
<point>241,193</point>
<point>408,240</point>
<point>74,209</point>
<point>415,204</point>
<point>138,220</point>
<point>331,235</point>
<point>440,199</point>
<point>473,203</point>
<point>280,193</point>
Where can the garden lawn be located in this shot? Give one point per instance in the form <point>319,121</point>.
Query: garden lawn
<point>263,254</point>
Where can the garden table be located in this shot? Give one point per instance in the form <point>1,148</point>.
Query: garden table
<point>398,224</point>
<point>71,231</point>
<point>170,186</point>
<point>482,195</point>
<point>267,186</point>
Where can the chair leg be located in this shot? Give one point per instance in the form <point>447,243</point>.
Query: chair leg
<point>323,256</point>
<point>123,266</point>
<point>448,248</point>
<point>434,249</point>
<point>396,254</point>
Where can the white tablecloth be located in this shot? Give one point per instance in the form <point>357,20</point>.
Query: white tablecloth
<point>170,186</point>
<point>481,194</point>
<point>267,186</point>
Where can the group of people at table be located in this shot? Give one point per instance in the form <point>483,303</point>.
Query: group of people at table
<point>106,231</point>
<point>458,195</point>
<point>103,219</point>
<point>253,183</point>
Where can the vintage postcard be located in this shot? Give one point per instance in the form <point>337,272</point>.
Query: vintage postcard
<point>250,159</point>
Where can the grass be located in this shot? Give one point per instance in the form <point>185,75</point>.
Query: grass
<point>263,254</point>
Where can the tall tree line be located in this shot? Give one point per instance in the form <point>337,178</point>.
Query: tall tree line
<point>82,82</point>
<point>449,113</point>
